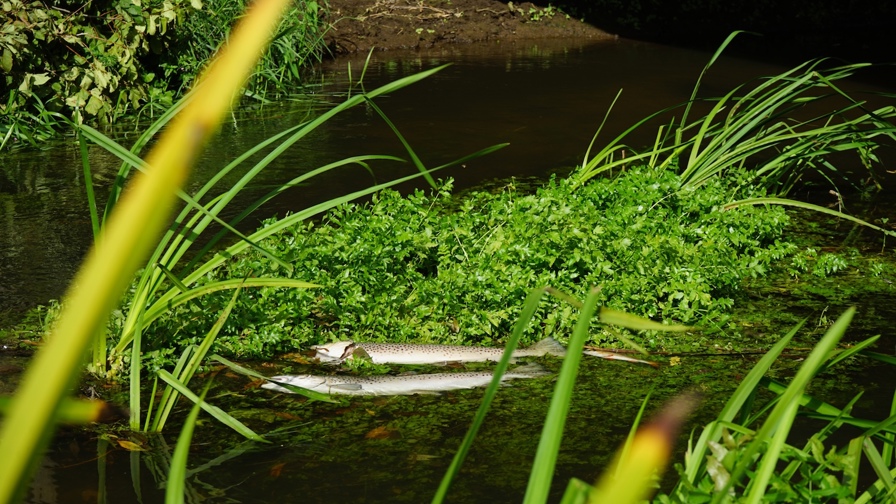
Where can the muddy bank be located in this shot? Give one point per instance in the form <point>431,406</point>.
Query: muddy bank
<point>359,25</point>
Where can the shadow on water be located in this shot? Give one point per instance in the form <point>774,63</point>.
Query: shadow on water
<point>546,100</point>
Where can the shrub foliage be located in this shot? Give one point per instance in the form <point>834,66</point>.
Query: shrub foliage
<point>97,61</point>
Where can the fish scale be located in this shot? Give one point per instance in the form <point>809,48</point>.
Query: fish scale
<point>399,385</point>
<point>406,353</point>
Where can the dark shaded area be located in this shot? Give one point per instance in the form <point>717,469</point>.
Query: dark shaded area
<point>791,31</point>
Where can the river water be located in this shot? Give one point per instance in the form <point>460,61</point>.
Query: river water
<point>546,99</point>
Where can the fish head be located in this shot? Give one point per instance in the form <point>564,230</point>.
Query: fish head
<point>304,381</point>
<point>334,352</point>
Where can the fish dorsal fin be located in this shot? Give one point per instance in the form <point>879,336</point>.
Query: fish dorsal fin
<point>548,346</point>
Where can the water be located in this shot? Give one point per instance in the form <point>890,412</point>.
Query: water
<point>547,100</point>
<point>385,449</point>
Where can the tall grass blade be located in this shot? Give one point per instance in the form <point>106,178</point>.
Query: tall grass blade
<point>529,307</point>
<point>407,146</point>
<point>134,381</point>
<point>712,60</point>
<point>627,320</point>
<point>807,206</point>
<point>627,446</point>
<point>890,437</point>
<point>88,187</point>
<point>881,490</point>
<point>177,474</point>
<point>130,234</point>
<point>577,492</point>
<point>542,473</point>
<point>102,447</point>
<point>134,459</point>
<point>880,468</point>
<point>212,410</point>
<point>601,127</point>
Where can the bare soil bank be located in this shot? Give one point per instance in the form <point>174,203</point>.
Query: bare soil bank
<point>359,25</point>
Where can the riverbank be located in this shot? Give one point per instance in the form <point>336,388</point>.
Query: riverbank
<point>358,26</point>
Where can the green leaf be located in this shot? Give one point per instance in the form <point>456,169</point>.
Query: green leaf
<point>94,105</point>
<point>6,60</point>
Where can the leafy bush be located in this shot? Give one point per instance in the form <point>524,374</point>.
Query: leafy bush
<point>99,61</point>
<point>87,61</point>
<point>433,268</point>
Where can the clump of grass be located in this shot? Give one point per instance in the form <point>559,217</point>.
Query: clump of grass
<point>771,128</point>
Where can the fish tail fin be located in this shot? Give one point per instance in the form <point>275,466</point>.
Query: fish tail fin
<point>549,346</point>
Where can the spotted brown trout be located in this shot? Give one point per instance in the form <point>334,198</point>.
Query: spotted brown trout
<point>407,353</point>
<point>401,384</point>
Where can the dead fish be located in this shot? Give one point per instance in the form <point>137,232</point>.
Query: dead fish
<point>407,353</point>
<point>399,385</point>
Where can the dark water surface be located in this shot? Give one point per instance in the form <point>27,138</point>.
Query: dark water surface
<point>546,100</point>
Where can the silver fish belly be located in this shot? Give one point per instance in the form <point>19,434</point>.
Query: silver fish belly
<point>406,353</point>
<point>399,385</point>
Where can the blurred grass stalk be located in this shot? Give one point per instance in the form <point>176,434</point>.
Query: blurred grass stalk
<point>131,233</point>
<point>645,455</point>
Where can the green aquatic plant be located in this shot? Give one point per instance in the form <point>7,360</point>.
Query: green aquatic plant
<point>444,269</point>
